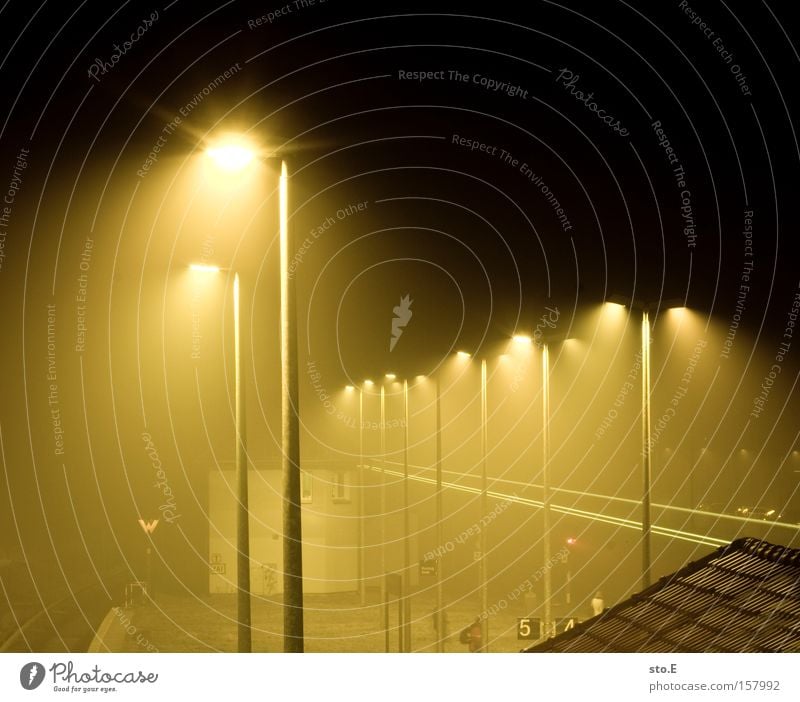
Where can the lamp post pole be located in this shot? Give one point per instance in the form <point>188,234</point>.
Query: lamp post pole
<point>440,634</point>
<point>384,593</point>
<point>484,509</point>
<point>290,441</point>
<point>548,580</point>
<point>362,585</point>
<point>406,529</point>
<point>244,631</point>
<point>646,457</point>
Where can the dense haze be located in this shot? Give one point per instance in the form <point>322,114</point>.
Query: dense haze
<point>445,155</point>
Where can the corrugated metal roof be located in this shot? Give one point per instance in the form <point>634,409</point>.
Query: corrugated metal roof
<point>743,598</point>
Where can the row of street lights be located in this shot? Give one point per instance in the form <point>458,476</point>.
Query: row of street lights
<point>544,342</point>
<point>235,157</point>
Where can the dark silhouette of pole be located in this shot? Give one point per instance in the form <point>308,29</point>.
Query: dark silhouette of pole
<point>290,442</point>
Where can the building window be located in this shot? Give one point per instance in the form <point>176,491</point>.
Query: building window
<point>340,491</point>
<point>306,487</point>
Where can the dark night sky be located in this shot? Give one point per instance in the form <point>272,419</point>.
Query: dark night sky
<point>469,234</point>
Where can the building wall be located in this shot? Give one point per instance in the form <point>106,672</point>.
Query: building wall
<point>330,531</point>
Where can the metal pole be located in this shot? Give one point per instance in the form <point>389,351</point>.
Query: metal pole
<point>548,580</point>
<point>362,585</point>
<point>439,526</point>
<point>484,510</point>
<point>646,457</point>
<point>290,413</point>
<point>244,634</point>
<point>406,527</point>
<point>383,511</point>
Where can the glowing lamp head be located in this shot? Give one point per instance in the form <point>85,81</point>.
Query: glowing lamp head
<point>522,339</point>
<point>463,354</point>
<point>203,268</point>
<point>349,388</point>
<point>231,156</point>
<point>390,376</point>
<point>571,541</point>
<point>368,383</point>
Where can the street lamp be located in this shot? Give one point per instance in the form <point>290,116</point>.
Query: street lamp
<point>439,526</point>
<point>362,587</point>
<point>234,155</point>
<point>406,527</point>
<point>484,510</point>
<point>647,465</point>
<point>483,572</point>
<point>243,615</point>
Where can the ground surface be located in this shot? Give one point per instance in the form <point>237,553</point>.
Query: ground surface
<point>333,623</point>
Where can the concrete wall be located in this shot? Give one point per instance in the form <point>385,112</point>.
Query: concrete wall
<point>330,532</point>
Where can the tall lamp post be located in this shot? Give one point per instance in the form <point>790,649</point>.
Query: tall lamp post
<point>235,155</point>
<point>482,563</point>
<point>362,587</point>
<point>440,634</point>
<point>406,529</point>
<point>484,510</point>
<point>384,593</point>
<point>243,615</point>
<point>647,462</point>
<point>544,341</point>
<point>290,440</point>
<point>548,580</point>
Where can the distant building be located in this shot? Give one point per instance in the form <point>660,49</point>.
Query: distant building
<point>330,529</point>
<point>743,598</point>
